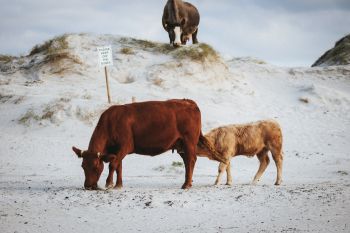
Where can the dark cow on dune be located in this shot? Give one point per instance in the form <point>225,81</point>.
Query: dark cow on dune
<point>147,128</point>
<point>180,20</point>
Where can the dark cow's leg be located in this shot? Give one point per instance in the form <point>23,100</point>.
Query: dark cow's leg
<point>194,37</point>
<point>189,158</point>
<point>183,40</point>
<point>171,37</point>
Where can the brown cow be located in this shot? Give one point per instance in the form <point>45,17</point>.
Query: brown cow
<point>180,19</point>
<point>147,128</point>
<point>256,138</point>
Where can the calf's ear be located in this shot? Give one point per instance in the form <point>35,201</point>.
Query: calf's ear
<point>77,151</point>
<point>108,158</point>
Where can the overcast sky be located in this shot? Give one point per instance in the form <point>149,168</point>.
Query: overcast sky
<point>290,32</point>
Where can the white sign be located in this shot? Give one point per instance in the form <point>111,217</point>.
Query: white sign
<point>105,57</point>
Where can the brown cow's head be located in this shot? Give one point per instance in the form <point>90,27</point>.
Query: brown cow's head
<point>92,165</point>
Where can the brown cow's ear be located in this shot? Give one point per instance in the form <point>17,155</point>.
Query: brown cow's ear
<point>77,151</point>
<point>108,158</point>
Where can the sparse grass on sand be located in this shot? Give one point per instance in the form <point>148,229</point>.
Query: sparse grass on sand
<point>177,164</point>
<point>158,82</point>
<point>6,58</point>
<point>127,51</point>
<point>146,45</point>
<point>53,46</point>
<point>199,52</point>
<point>56,51</point>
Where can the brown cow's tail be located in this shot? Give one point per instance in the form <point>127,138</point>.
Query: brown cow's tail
<point>209,146</point>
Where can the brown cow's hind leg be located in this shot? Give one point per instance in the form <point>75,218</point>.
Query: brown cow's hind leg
<point>189,158</point>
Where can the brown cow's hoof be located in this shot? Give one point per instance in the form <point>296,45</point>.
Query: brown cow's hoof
<point>186,186</point>
<point>91,188</point>
<point>109,186</point>
<point>94,189</point>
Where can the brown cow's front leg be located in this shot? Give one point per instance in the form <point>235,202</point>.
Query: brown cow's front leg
<point>117,167</point>
<point>119,172</point>
<point>189,159</point>
<point>109,180</point>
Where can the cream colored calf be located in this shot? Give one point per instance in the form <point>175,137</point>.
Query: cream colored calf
<point>256,138</point>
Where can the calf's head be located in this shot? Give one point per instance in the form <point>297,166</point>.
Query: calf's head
<point>92,165</point>
<point>202,151</point>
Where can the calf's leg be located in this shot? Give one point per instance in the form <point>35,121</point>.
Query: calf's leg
<point>277,156</point>
<point>224,167</point>
<point>221,170</point>
<point>264,162</point>
<point>228,174</point>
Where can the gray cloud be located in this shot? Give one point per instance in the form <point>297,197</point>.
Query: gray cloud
<point>282,32</point>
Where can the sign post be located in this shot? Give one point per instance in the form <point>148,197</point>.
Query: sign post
<point>105,59</point>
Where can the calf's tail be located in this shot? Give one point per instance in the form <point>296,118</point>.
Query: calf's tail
<point>210,147</point>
